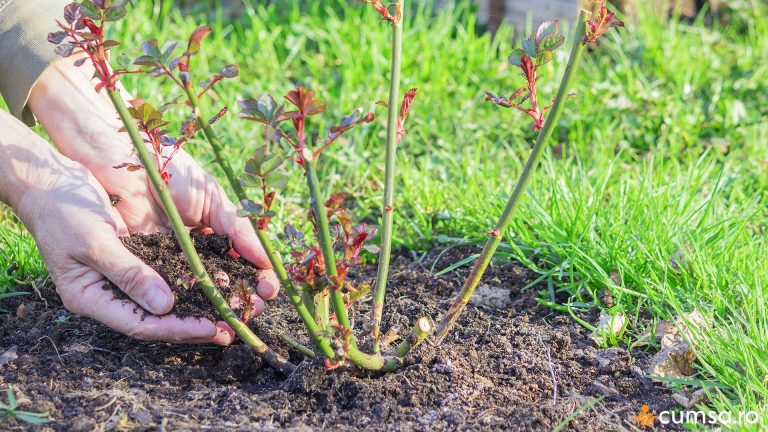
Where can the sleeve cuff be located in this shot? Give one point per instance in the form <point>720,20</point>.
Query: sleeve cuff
<point>25,52</point>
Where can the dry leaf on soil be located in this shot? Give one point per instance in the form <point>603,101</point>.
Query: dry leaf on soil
<point>675,360</point>
<point>608,325</point>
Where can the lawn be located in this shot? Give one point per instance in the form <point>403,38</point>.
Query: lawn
<point>655,191</point>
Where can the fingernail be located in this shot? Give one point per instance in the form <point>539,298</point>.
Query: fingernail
<point>224,336</point>
<point>157,300</point>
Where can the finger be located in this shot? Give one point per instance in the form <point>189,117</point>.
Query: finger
<point>141,283</point>
<point>224,334</point>
<point>258,306</point>
<point>127,318</point>
<point>268,285</point>
<point>222,217</point>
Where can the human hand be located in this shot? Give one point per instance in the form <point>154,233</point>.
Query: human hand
<point>77,231</point>
<point>83,125</point>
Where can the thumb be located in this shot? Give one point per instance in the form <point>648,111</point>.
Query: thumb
<point>136,279</point>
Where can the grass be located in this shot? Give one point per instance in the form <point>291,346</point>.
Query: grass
<point>657,191</point>
<point>21,266</point>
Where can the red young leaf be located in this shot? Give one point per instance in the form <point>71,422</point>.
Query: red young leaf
<point>404,108</point>
<point>336,200</point>
<point>605,21</point>
<point>196,39</point>
<point>302,99</point>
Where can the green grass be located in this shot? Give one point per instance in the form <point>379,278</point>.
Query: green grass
<point>21,266</point>
<point>661,179</point>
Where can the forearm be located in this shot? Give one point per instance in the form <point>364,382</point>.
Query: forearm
<point>75,117</point>
<point>26,161</point>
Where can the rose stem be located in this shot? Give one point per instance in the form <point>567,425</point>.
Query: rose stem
<point>185,241</point>
<point>496,234</point>
<point>387,215</point>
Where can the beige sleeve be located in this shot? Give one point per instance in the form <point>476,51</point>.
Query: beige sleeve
<point>25,52</point>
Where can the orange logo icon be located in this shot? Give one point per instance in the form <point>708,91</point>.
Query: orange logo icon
<point>645,417</point>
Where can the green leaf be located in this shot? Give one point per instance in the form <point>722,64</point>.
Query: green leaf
<point>155,124</point>
<point>278,180</point>
<point>253,165</point>
<point>529,46</point>
<point>32,418</point>
<point>167,51</point>
<point>150,47</point>
<point>547,28</point>
<point>11,398</point>
<point>114,13</point>
<point>250,181</point>
<point>89,10</point>
<point>270,164</point>
<point>145,60</point>
<point>266,105</point>
<point>514,60</point>
<point>263,110</point>
<point>272,133</point>
<point>551,42</point>
<point>544,57</point>
<point>123,61</point>
<point>110,43</point>
<point>250,208</point>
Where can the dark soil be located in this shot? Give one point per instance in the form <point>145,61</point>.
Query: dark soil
<point>162,252</point>
<point>493,372</point>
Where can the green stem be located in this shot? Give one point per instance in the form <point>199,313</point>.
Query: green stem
<point>506,217</point>
<point>315,332</point>
<point>367,361</point>
<point>382,363</point>
<point>387,215</point>
<point>299,347</point>
<point>376,362</point>
<point>322,343</point>
<point>218,149</point>
<point>326,243</point>
<point>185,241</point>
<point>420,331</point>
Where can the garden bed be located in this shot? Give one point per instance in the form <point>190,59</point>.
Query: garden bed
<point>494,371</point>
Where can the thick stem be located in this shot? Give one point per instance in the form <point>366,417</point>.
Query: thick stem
<point>326,243</point>
<point>387,215</point>
<point>185,242</point>
<point>381,363</point>
<point>420,331</point>
<point>322,343</point>
<point>376,362</point>
<point>321,303</point>
<point>496,234</point>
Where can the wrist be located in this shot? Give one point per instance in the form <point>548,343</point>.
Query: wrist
<point>28,166</point>
<point>81,122</point>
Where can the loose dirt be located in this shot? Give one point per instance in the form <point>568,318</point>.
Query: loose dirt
<point>518,367</point>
